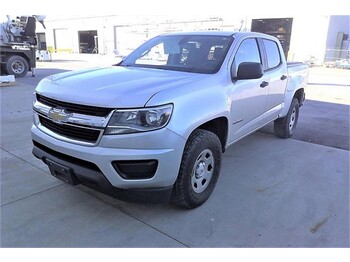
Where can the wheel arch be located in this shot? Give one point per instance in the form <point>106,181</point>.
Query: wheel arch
<point>289,96</point>
<point>219,126</point>
<point>300,95</point>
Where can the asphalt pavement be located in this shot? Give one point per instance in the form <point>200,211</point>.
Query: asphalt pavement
<point>271,193</point>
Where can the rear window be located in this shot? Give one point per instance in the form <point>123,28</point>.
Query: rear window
<point>273,54</point>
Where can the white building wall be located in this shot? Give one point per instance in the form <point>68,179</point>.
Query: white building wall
<point>308,39</point>
<point>125,31</point>
<point>103,26</point>
<point>338,24</point>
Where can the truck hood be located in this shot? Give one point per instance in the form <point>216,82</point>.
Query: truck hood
<point>113,87</point>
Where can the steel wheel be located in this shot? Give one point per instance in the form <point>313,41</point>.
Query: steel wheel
<point>203,170</point>
<point>284,127</point>
<point>18,67</point>
<point>199,170</point>
<point>292,119</point>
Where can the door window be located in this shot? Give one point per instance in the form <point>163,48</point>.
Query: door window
<point>272,53</point>
<point>248,51</point>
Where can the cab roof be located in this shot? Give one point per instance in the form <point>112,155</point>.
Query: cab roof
<point>222,33</point>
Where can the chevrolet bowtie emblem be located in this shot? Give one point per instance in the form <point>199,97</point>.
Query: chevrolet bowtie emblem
<point>58,115</point>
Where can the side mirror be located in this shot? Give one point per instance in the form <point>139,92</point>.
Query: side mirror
<point>249,70</point>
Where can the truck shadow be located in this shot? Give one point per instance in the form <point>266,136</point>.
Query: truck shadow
<point>321,123</point>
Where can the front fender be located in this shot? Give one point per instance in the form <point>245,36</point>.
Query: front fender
<point>194,108</point>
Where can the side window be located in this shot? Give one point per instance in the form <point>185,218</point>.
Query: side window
<point>248,51</point>
<point>273,53</point>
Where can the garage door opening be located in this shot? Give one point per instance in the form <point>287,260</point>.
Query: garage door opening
<point>88,43</point>
<point>278,27</point>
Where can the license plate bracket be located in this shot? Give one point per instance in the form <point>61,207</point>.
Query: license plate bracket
<point>62,172</point>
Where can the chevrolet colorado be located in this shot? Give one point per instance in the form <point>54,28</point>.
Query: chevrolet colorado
<point>153,127</point>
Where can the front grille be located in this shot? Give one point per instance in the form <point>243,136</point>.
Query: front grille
<point>72,132</point>
<point>75,108</point>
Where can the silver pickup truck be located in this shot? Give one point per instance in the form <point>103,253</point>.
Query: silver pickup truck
<point>153,127</point>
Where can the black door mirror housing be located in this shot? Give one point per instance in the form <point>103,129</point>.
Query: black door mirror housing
<point>249,70</point>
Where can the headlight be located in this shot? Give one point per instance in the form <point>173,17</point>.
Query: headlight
<point>139,120</point>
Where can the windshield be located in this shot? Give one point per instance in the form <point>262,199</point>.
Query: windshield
<point>189,53</point>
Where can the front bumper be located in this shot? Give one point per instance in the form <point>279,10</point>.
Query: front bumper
<point>93,166</point>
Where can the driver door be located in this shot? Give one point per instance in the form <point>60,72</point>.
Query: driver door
<point>248,97</point>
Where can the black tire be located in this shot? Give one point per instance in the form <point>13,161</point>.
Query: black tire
<point>17,66</point>
<point>284,127</point>
<point>199,170</point>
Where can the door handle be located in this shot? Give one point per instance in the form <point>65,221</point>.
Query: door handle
<point>283,77</point>
<point>264,84</point>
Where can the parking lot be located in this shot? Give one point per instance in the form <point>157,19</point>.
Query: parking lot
<point>271,193</point>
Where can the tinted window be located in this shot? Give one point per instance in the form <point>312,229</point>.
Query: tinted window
<point>272,52</point>
<point>248,51</point>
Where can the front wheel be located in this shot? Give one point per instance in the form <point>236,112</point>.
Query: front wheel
<point>199,170</point>
<point>284,127</point>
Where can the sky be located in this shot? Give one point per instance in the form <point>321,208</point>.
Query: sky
<point>176,7</point>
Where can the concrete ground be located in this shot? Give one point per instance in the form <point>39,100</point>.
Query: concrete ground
<point>271,193</point>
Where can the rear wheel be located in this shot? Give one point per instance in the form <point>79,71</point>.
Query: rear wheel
<point>17,66</point>
<point>284,127</point>
<point>199,170</point>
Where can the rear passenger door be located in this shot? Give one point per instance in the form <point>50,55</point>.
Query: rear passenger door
<point>276,69</point>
